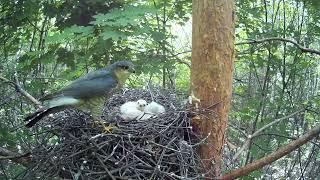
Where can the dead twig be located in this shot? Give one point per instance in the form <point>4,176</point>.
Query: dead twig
<point>259,131</point>
<point>302,48</point>
<point>19,89</point>
<point>273,156</point>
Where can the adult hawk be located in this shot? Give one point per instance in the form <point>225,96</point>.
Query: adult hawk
<point>88,93</point>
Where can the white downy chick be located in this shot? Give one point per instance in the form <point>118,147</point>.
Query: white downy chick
<point>154,108</point>
<point>141,104</point>
<point>132,109</point>
<point>151,110</point>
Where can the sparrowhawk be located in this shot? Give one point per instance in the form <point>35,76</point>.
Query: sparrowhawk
<point>88,93</point>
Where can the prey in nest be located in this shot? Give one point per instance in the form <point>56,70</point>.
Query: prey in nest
<point>162,147</point>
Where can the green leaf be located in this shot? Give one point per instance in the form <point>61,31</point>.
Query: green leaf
<point>158,36</point>
<point>70,33</point>
<point>65,57</point>
<point>129,15</point>
<point>114,35</point>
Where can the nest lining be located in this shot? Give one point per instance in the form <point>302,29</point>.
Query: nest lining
<point>69,145</point>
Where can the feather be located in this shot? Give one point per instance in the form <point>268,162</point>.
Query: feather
<point>37,116</point>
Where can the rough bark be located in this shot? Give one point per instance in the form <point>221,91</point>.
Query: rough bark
<point>211,76</point>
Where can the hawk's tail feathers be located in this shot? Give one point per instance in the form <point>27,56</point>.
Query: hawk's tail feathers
<point>37,116</point>
<point>32,115</point>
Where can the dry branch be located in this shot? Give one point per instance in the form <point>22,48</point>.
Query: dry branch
<point>273,156</point>
<point>302,48</point>
<point>259,131</point>
<point>23,159</point>
<point>19,89</point>
<point>256,41</point>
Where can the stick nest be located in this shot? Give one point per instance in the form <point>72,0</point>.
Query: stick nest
<point>70,145</point>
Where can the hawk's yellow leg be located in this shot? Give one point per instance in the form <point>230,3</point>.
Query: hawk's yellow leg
<point>105,128</point>
<point>95,106</point>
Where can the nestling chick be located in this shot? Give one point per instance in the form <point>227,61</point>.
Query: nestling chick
<point>151,110</point>
<point>131,114</point>
<point>141,104</point>
<point>132,109</point>
<point>154,108</point>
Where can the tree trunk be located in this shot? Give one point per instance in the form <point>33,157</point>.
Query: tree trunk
<point>211,74</point>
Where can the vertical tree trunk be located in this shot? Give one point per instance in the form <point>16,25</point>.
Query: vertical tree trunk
<point>211,74</point>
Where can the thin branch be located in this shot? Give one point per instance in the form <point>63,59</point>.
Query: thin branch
<point>257,133</point>
<point>276,121</point>
<point>288,137</point>
<point>183,62</point>
<point>23,159</point>
<point>19,89</point>
<point>176,56</point>
<point>273,156</point>
<point>179,53</point>
<point>33,25</point>
<point>302,48</point>
<point>178,60</point>
<point>238,129</point>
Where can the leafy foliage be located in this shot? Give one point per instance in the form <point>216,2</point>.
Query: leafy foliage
<point>48,43</point>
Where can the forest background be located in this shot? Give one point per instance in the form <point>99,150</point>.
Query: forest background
<point>45,44</point>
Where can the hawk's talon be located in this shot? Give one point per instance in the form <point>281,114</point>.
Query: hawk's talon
<point>108,129</point>
<point>105,129</point>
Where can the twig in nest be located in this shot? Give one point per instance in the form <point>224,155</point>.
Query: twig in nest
<point>160,147</point>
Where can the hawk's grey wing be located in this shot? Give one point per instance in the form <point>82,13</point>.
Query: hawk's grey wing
<point>87,93</point>
<point>94,84</point>
<point>90,88</point>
